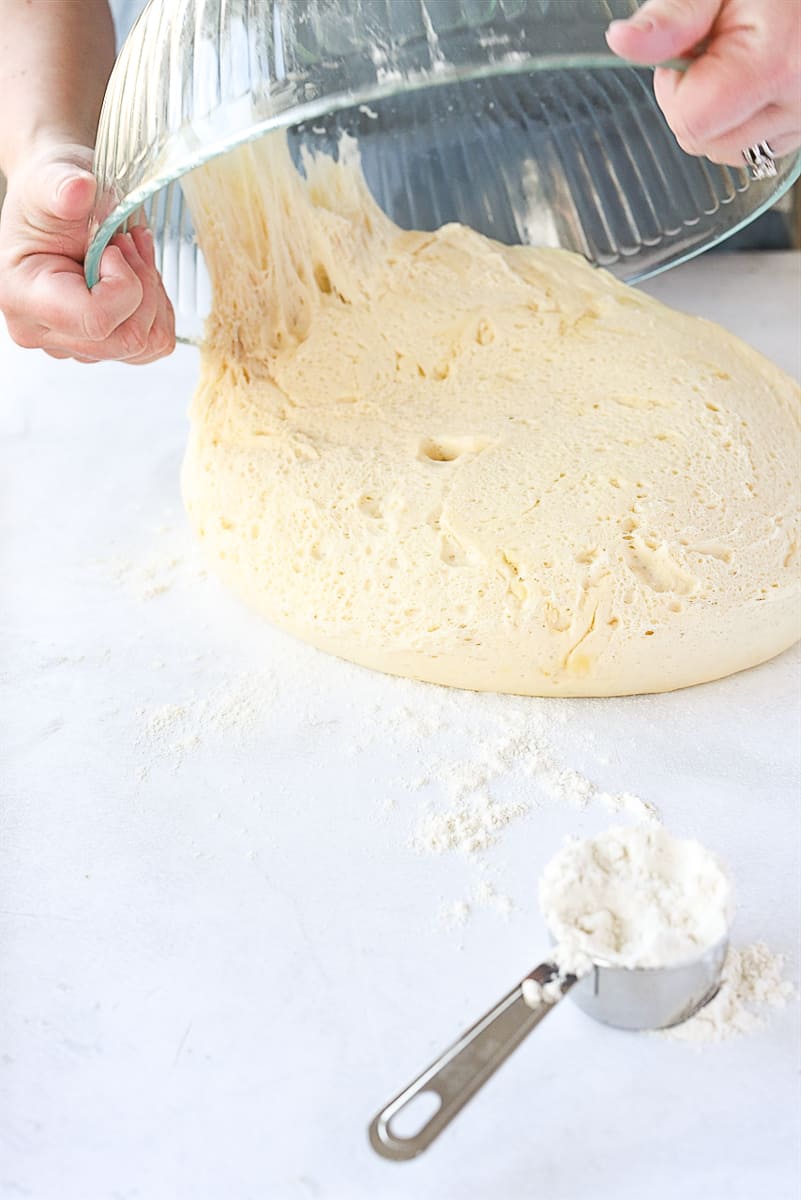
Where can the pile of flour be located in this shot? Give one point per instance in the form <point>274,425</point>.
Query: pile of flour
<point>635,897</point>
<point>751,985</point>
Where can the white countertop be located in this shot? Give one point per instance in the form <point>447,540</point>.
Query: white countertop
<point>220,952</point>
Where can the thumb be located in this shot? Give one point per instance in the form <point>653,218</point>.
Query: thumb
<point>61,193</point>
<point>663,29</point>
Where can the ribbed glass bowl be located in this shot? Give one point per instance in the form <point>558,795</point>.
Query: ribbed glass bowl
<point>510,116</point>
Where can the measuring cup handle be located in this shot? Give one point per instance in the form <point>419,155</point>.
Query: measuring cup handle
<point>458,1073</point>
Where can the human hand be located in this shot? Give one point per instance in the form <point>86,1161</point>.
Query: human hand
<point>745,85</point>
<point>43,293</point>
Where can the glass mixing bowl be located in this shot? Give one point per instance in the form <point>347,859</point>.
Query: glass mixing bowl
<point>510,116</point>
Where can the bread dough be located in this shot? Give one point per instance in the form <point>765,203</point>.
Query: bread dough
<point>485,466</point>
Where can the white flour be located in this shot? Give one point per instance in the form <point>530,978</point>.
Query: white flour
<point>455,914</point>
<point>636,897</point>
<point>173,558</point>
<point>467,817</point>
<point>488,897</point>
<point>171,731</point>
<point>149,579</point>
<point>751,985</point>
<point>535,993</point>
<point>470,824</point>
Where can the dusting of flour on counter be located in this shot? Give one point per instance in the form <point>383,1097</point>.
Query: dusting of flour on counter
<point>233,709</point>
<point>471,818</point>
<point>170,559</point>
<point>455,914</point>
<point>475,763</point>
<point>751,985</point>
<point>634,897</point>
<point>148,578</point>
<point>488,897</point>
<point>470,825</point>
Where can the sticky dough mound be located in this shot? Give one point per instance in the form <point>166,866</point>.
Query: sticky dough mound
<point>485,466</point>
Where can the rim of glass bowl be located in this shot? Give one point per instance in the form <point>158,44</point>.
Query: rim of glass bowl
<point>196,153</point>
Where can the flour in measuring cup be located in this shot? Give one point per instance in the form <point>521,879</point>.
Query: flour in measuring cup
<point>635,897</point>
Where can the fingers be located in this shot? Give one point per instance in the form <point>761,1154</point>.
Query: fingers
<point>663,29</point>
<point>116,319</point>
<point>741,90</point>
<point>161,329</point>
<point>719,92</point>
<point>57,294</point>
<point>781,129</point>
<point>162,334</point>
<point>126,317</point>
<point>43,293</point>
<point>136,248</point>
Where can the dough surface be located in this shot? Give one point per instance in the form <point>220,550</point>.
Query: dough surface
<point>485,466</point>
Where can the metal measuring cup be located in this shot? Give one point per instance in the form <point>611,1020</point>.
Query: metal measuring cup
<point>626,997</point>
